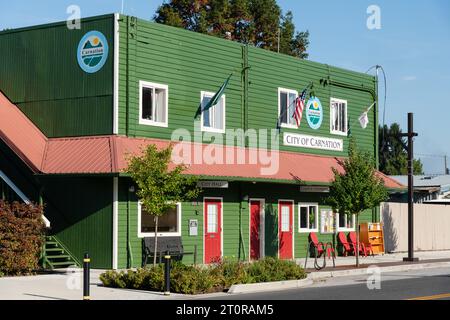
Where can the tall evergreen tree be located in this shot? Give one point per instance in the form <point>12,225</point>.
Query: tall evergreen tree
<point>255,22</point>
<point>393,152</point>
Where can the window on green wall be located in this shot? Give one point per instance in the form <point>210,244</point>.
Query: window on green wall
<point>168,224</point>
<point>213,119</point>
<point>327,221</point>
<point>286,107</point>
<point>338,109</point>
<point>346,222</point>
<point>308,217</point>
<point>153,104</point>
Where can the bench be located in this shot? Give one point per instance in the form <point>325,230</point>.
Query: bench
<point>172,246</point>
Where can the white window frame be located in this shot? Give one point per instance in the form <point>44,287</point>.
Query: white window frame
<point>339,229</point>
<point>308,229</point>
<point>209,129</point>
<point>336,132</point>
<point>160,234</point>
<point>288,91</point>
<point>322,226</point>
<point>152,85</point>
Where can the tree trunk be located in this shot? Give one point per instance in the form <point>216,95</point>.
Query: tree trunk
<point>357,240</point>
<point>156,241</point>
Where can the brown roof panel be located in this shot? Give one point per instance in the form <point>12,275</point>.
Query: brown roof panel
<point>21,135</point>
<point>78,155</point>
<point>109,154</point>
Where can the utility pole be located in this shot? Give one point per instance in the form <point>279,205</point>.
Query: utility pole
<point>411,134</point>
<point>447,171</point>
<point>279,39</point>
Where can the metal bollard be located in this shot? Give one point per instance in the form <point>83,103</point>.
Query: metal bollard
<point>86,276</point>
<point>167,275</point>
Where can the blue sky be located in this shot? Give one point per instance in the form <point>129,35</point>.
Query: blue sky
<point>413,46</point>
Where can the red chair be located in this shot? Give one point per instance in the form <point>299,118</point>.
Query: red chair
<point>347,247</point>
<point>364,248</point>
<point>320,246</point>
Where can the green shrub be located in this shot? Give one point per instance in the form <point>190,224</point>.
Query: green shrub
<point>194,280</point>
<point>22,233</point>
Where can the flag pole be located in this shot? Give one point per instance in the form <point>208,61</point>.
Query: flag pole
<point>310,85</point>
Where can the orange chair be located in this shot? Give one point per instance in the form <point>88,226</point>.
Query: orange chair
<point>320,246</point>
<point>347,247</point>
<point>364,248</point>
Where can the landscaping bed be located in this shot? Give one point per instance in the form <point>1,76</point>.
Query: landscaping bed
<point>218,277</point>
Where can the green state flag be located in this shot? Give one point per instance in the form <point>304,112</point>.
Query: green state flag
<point>215,99</point>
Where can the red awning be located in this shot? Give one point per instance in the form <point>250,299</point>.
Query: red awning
<point>108,154</point>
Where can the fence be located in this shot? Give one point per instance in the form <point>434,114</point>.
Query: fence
<point>431,226</point>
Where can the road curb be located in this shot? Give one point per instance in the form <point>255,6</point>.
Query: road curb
<point>357,272</point>
<point>314,276</point>
<point>270,286</point>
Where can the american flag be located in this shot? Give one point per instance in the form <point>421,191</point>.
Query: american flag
<point>299,106</point>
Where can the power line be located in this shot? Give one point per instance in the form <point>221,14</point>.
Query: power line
<point>431,155</point>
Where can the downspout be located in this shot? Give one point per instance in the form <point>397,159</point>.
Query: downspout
<point>130,261</point>
<point>241,234</point>
<point>375,211</point>
<point>374,94</point>
<point>127,117</point>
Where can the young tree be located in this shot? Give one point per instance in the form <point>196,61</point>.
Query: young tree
<point>357,189</point>
<point>158,188</point>
<point>256,22</point>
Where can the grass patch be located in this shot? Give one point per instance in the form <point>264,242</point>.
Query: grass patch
<point>197,280</point>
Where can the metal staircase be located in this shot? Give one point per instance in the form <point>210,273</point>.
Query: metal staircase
<point>56,256</point>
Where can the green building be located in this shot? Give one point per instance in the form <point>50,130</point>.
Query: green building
<point>75,103</point>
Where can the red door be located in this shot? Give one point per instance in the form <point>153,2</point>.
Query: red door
<point>213,230</point>
<point>285,229</point>
<point>255,230</point>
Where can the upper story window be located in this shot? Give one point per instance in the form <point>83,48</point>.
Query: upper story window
<point>286,107</point>
<point>153,104</point>
<point>338,116</point>
<point>308,217</point>
<point>213,119</point>
<point>168,225</point>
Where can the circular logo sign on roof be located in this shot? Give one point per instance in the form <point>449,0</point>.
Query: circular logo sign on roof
<point>92,51</point>
<point>314,113</point>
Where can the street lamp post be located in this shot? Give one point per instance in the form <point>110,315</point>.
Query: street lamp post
<point>411,134</point>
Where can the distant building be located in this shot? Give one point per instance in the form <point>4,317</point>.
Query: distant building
<point>426,189</point>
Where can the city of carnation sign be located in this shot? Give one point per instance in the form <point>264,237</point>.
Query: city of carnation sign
<point>312,142</point>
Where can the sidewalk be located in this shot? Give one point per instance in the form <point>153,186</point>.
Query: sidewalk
<point>68,286</point>
<point>345,263</point>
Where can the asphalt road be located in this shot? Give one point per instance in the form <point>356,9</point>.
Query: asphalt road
<point>431,284</point>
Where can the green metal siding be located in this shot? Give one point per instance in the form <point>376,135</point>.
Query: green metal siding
<point>40,73</point>
<point>80,212</point>
<point>190,63</point>
<point>270,70</point>
<point>185,61</point>
<point>234,227</point>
